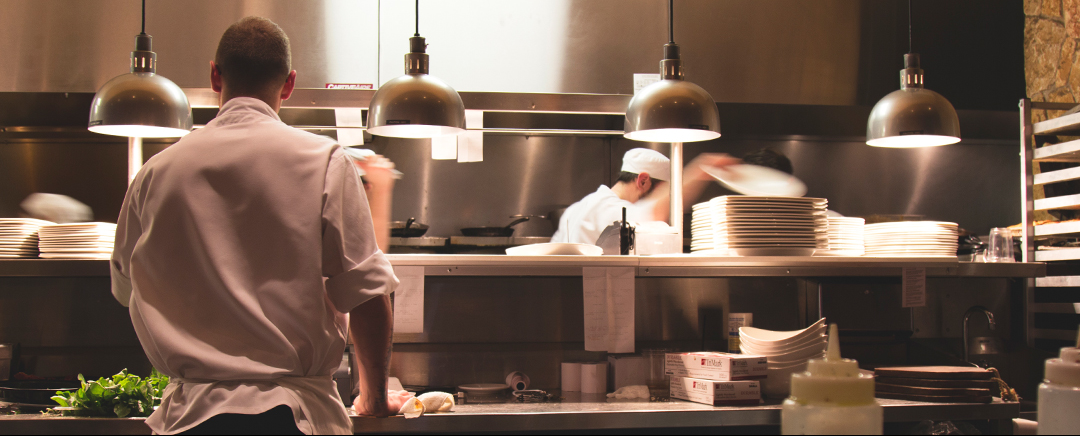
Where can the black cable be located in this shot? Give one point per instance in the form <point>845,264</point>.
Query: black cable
<point>417,18</point>
<point>909,45</point>
<point>143,17</point>
<point>671,21</point>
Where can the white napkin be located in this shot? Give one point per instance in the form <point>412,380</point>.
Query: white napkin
<point>630,393</point>
<point>435,402</point>
<point>412,408</point>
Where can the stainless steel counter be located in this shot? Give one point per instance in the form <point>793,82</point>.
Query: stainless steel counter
<point>559,416</point>
<point>647,266</point>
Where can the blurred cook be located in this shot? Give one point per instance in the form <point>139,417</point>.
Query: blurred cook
<point>245,252</point>
<point>641,188</point>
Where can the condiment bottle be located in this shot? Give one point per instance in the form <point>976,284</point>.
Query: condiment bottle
<point>832,397</point>
<point>1059,394</point>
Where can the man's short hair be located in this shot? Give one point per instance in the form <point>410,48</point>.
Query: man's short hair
<point>628,177</point>
<point>253,56</point>
<point>767,157</point>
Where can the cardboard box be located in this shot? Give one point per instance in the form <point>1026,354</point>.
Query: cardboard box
<point>716,366</point>
<point>717,393</point>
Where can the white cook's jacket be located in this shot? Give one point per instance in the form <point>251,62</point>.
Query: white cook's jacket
<point>584,221</point>
<point>239,251</point>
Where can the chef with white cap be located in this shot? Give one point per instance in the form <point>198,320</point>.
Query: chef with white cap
<point>641,188</point>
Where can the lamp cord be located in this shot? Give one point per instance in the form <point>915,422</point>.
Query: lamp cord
<point>143,17</point>
<point>417,18</point>
<point>671,21</point>
<point>909,45</point>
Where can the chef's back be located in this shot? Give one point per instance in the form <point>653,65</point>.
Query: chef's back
<point>238,250</point>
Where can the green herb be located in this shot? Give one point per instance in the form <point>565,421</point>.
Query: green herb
<point>121,395</point>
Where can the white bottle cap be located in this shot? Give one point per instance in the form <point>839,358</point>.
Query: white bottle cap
<point>1065,370</point>
<point>832,380</point>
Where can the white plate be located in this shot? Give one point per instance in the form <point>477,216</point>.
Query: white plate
<point>102,256</point>
<point>778,251</point>
<point>480,389</point>
<point>554,249</point>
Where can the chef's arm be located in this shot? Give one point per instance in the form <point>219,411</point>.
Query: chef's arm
<point>695,180</point>
<point>372,329</point>
<point>379,187</point>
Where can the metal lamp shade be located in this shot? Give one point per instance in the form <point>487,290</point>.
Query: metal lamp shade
<point>912,117</point>
<point>141,104</point>
<point>416,106</point>
<point>672,110</point>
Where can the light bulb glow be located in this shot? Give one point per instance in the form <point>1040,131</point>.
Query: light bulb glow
<point>139,131</point>
<point>414,131</point>
<point>912,141</point>
<point>672,135</point>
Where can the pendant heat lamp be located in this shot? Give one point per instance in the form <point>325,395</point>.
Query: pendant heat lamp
<point>416,105</point>
<point>912,116</point>
<point>141,103</point>
<point>672,110</point>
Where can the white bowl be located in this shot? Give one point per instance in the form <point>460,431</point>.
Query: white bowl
<point>772,348</point>
<point>779,339</point>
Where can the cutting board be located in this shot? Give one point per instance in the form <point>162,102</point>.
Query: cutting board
<point>935,398</point>
<point>926,383</point>
<point>935,372</point>
<point>938,392</point>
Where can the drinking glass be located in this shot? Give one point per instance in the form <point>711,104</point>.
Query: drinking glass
<point>1001,245</point>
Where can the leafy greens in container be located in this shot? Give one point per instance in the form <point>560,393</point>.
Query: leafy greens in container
<point>122,395</point>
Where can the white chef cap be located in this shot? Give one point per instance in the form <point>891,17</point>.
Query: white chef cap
<point>644,160</point>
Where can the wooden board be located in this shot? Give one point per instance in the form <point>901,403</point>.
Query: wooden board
<point>935,372</point>
<point>926,383</point>
<point>938,392</point>
<point>935,399</point>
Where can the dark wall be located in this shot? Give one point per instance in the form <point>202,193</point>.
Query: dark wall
<point>972,50</point>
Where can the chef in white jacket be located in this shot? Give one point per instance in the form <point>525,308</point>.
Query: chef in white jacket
<point>246,251</point>
<point>641,188</point>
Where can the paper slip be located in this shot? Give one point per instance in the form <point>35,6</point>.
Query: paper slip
<point>609,309</point>
<point>349,117</point>
<point>409,300</point>
<point>914,287</point>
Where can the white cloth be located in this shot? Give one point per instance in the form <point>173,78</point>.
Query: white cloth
<point>239,251</point>
<point>584,221</point>
<point>644,160</point>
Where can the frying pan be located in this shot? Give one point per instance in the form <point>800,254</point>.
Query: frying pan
<point>504,232</point>
<point>34,392</point>
<point>407,229</point>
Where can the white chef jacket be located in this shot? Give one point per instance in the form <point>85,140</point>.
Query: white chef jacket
<point>585,220</point>
<point>239,251</point>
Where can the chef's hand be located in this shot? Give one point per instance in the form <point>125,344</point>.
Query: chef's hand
<point>380,174</point>
<point>394,401</point>
<point>695,170</point>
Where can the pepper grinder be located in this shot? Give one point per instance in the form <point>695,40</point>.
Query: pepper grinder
<point>626,236</point>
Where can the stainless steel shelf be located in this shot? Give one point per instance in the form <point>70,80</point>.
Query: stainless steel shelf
<point>550,417</point>
<point>1063,202</point>
<point>1058,229</point>
<point>1058,126</point>
<point>1058,282</point>
<point>647,266</point>
<point>1063,152</point>
<point>489,241</point>
<point>1057,176</point>
<point>1055,255</point>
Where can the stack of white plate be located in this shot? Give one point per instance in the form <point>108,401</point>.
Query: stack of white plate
<point>912,239</point>
<point>787,353</point>
<point>19,237</point>
<point>77,241</point>
<point>846,237</point>
<point>739,225</point>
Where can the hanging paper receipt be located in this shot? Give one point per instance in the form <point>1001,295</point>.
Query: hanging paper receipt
<point>409,300</point>
<point>609,309</point>
<point>914,294</point>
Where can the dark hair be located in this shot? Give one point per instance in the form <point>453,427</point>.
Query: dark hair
<point>253,56</point>
<point>768,158</point>
<point>628,177</point>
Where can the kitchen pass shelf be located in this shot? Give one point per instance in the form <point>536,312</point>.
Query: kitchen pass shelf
<point>646,266</point>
